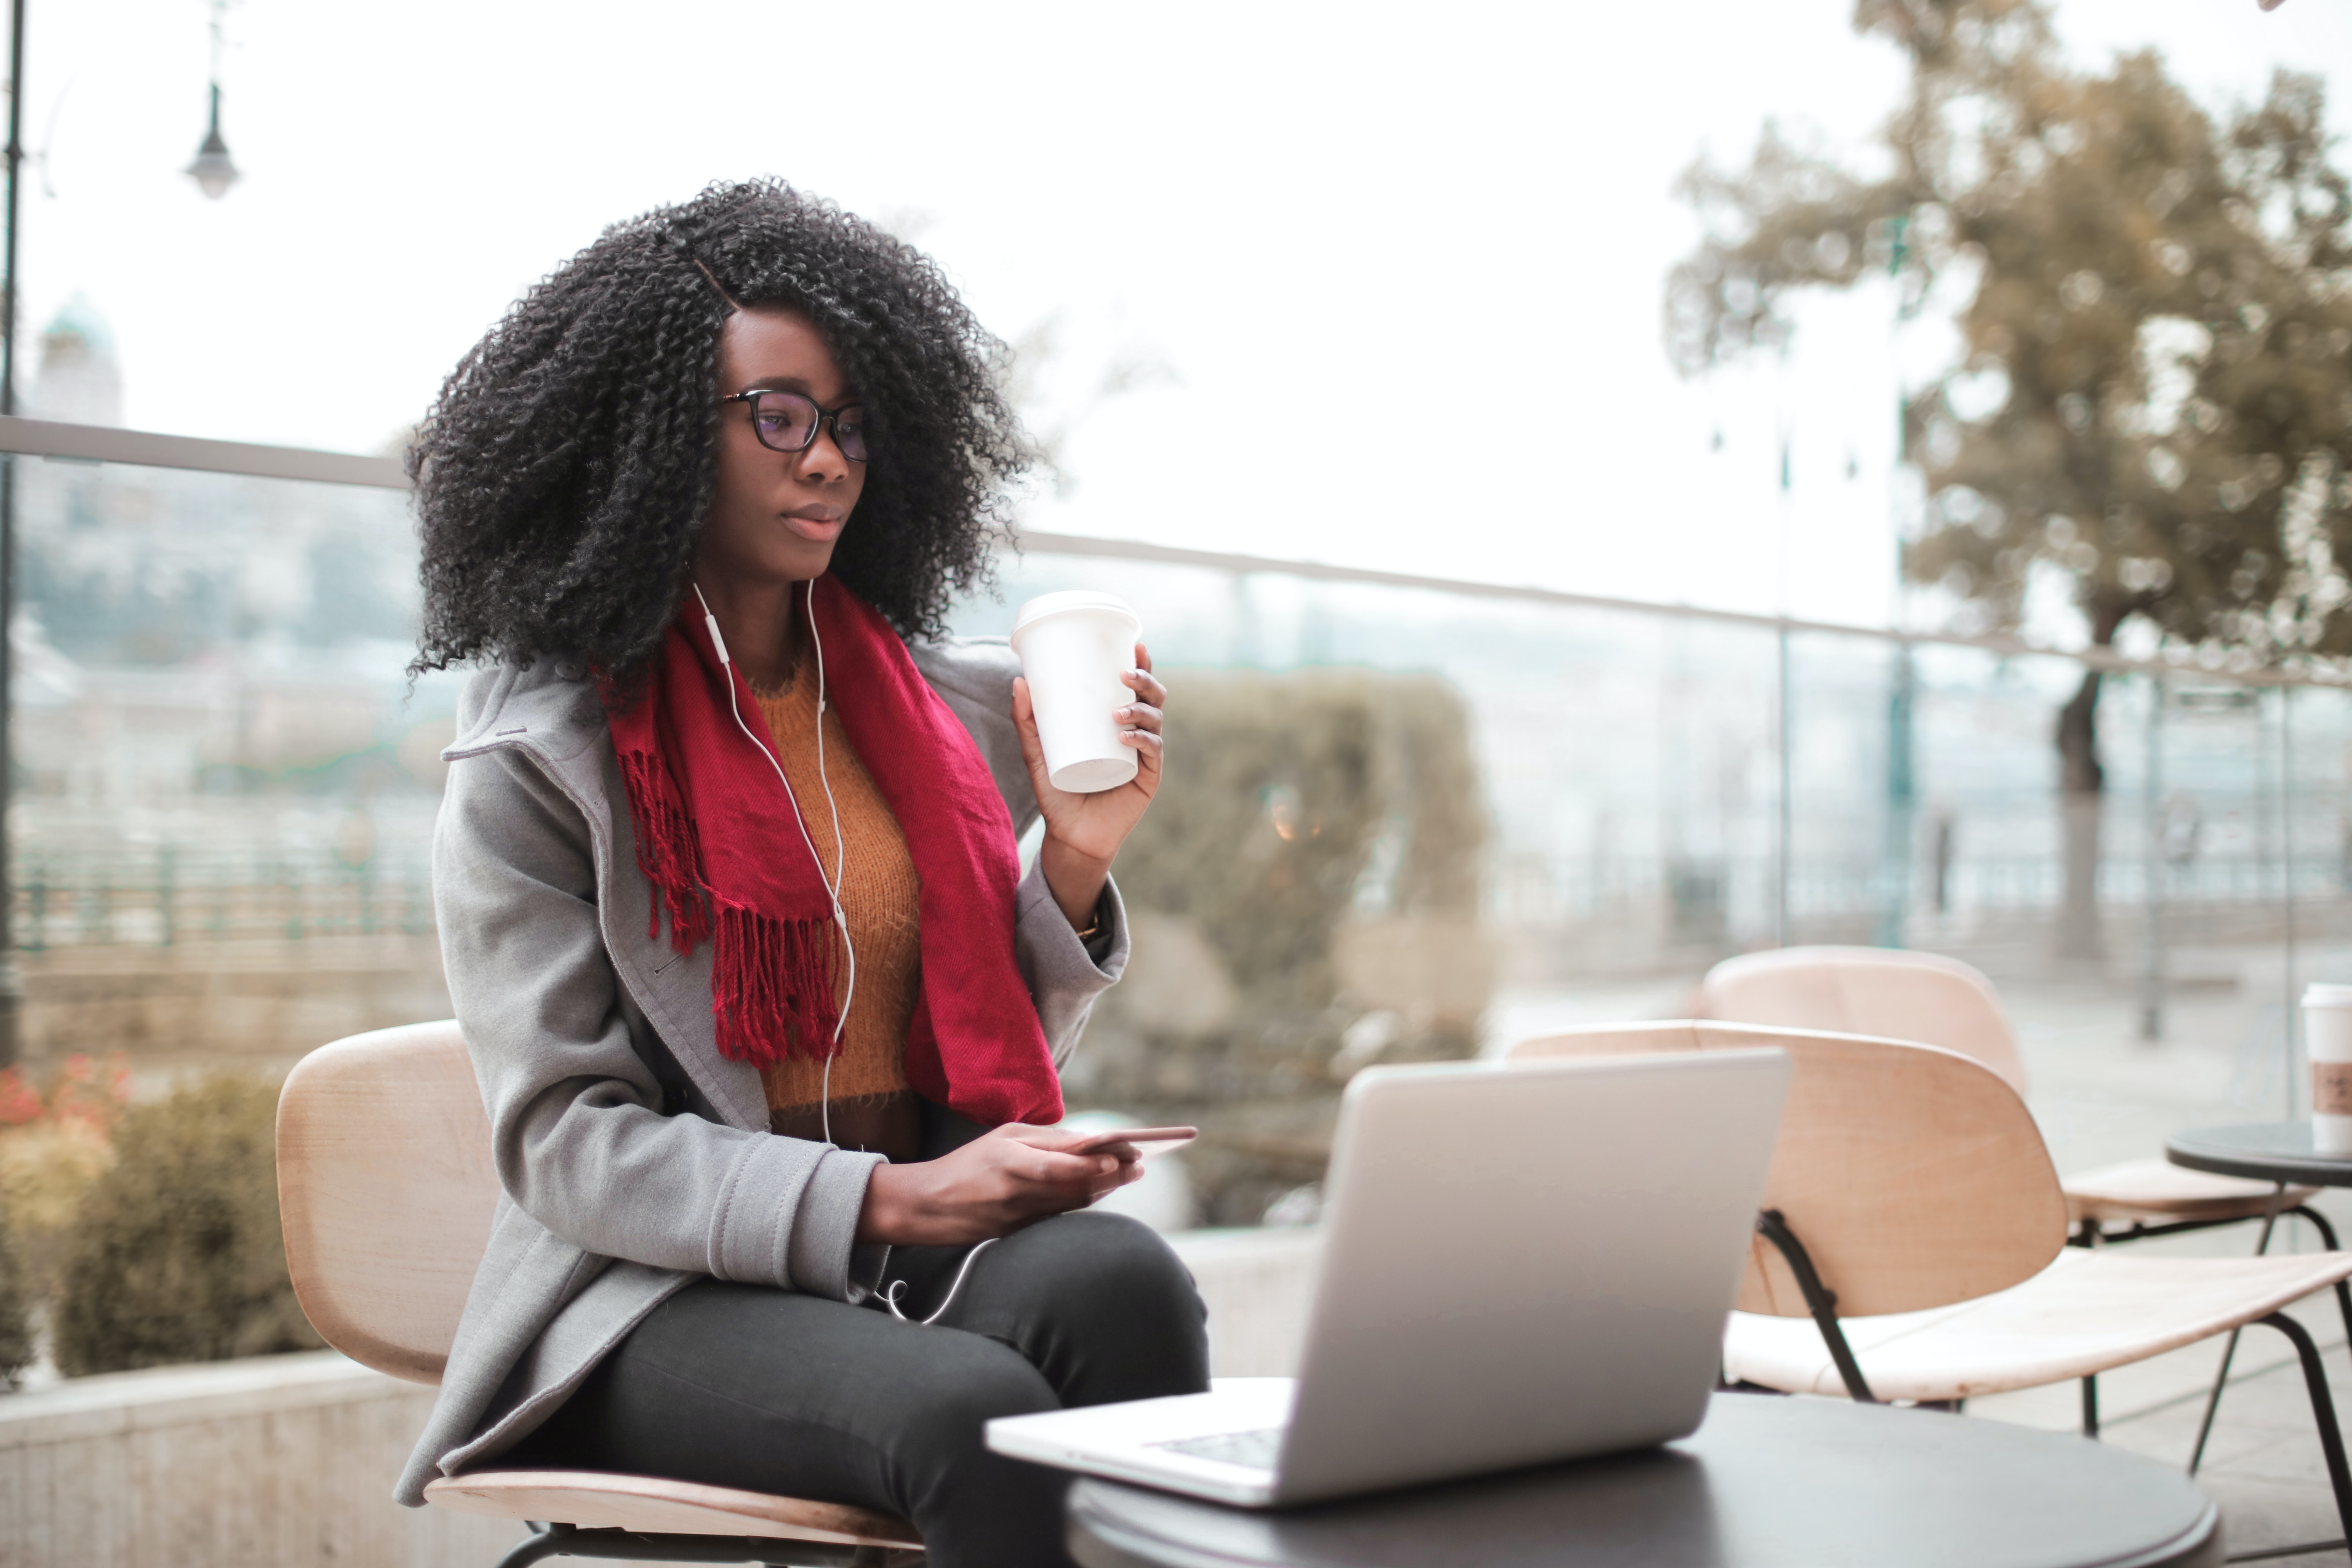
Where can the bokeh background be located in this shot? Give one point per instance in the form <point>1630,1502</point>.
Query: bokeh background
<point>1369,288</point>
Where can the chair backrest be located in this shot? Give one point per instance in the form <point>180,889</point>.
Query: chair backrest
<point>1884,993</point>
<point>1914,1176</point>
<point>387,1191</point>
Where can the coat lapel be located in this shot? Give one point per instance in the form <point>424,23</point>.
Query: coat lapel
<point>673,990</point>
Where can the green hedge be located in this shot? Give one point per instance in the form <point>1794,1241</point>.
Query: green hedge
<point>178,1256</point>
<point>1295,804</point>
<point>15,1306</point>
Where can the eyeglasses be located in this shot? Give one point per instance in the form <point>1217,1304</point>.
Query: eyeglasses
<point>788,422</point>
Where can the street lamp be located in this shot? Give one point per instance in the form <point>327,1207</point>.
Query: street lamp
<point>212,171</point>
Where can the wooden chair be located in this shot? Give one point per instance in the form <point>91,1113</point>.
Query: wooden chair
<point>1935,1001</point>
<point>387,1190</point>
<point>1912,1213</point>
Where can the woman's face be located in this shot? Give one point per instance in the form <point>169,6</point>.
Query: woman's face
<point>775,515</point>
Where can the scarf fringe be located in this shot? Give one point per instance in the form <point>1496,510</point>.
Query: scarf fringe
<point>669,852</point>
<point>771,987</point>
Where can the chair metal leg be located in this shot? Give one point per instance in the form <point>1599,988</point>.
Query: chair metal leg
<point>544,1540</point>
<point>2230,1351</point>
<point>2323,1412</point>
<point>1819,1299</point>
<point>2091,1406</point>
<point>2328,1238</point>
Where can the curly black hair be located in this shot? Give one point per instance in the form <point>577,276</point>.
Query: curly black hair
<point>564,473</point>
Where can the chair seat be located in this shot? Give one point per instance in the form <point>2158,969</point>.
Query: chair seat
<point>2159,1190</point>
<point>600,1499</point>
<point>2088,1312</point>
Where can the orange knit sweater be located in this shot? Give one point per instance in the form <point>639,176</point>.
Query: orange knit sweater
<point>871,1105</point>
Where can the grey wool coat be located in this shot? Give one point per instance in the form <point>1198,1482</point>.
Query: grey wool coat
<point>635,1158</point>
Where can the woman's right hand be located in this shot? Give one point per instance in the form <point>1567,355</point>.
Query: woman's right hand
<point>1009,1177</point>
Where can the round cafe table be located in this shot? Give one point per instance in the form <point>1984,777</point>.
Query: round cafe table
<point>1767,1482</point>
<point>2266,1151</point>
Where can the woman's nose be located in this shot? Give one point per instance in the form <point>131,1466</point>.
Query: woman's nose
<point>820,461</point>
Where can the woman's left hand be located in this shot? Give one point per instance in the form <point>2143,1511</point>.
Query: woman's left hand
<point>1083,832</point>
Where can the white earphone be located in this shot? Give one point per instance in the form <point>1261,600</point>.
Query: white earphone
<point>888,1295</point>
<point>840,854</point>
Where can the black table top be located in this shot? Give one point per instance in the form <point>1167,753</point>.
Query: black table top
<point>2266,1151</point>
<point>1767,1482</point>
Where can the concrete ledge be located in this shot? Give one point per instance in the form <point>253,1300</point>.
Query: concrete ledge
<point>124,1402</point>
<point>273,1462</point>
<point>1255,1283</point>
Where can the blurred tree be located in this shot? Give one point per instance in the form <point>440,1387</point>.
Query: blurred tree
<point>2155,396</point>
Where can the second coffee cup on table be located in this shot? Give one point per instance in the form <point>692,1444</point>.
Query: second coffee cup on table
<point>2327,1040</point>
<point>1074,647</point>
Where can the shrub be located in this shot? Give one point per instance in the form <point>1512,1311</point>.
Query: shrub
<point>52,1147</point>
<point>1309,820</point>
<point>177,1255</point>
<point>15,1308</point>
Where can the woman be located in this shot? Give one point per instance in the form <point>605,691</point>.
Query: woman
<point>767,1020</point>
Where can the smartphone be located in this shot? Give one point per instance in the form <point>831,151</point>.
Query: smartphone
<point>1148,1140</point>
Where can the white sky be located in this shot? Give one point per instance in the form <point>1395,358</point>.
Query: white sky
<point>1403,262</point>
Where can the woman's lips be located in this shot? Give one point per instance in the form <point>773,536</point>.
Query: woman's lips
<point>818,527</point>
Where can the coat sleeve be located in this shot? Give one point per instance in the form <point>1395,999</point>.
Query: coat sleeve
<point>1064,975</point>
<point>576,1114</point>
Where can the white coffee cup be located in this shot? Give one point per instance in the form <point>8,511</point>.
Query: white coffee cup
<point>1074,647</point>
<point>2327,1041</point>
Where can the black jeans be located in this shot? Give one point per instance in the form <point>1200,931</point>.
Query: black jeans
<point>740,1385</point>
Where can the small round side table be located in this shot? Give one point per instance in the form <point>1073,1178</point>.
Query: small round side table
<point>2267,1150</point>
<point>1765,1483</point>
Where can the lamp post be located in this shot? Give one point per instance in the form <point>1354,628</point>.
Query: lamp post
<point>12,984</point>
<point>212,171</point>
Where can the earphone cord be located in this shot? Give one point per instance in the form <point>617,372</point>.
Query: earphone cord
<point>889,1295</point>
<point>831,884</point>
<point>841,872</point>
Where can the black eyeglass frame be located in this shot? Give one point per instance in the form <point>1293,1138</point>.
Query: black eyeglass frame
<point>823,416</point>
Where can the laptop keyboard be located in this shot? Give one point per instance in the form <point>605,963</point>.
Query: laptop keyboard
<point>1252,1450</point>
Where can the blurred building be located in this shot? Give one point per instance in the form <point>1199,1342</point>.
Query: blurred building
<point>80,380</point>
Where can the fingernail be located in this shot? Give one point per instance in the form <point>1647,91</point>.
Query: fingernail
<point>1124,714</point>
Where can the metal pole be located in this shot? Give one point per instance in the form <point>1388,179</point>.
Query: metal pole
<point>1895,869</point>
<point>2151,985</point>
<point>2294,1012</point>
<point>12,985</point>
<point>1787,846</point>
<point>1781,845</point>
<point>1895,851</point>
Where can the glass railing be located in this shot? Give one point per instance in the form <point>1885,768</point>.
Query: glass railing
<point>1401,821</point>
<point>223,786</point>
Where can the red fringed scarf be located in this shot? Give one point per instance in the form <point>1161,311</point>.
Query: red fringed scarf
<point>715,836</point>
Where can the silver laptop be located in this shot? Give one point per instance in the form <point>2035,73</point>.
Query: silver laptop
<point>1520,1265</point>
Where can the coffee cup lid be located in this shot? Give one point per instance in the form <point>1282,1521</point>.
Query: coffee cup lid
<point>2321,993</point>
<point>1045,605</point>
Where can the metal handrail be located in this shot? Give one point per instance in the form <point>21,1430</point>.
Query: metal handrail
<point>99,444</point>
<point>143,449</point>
